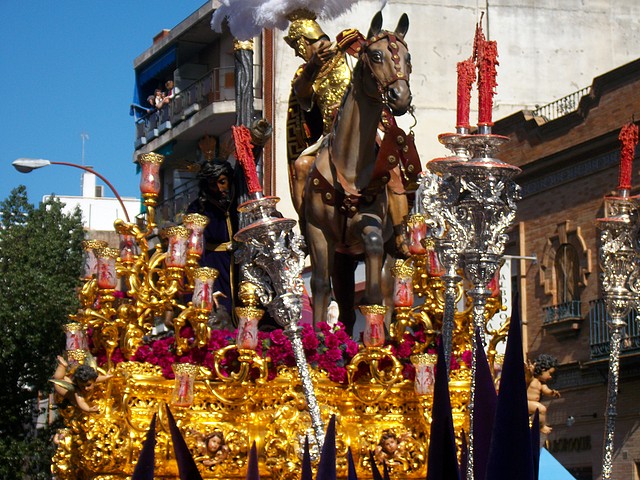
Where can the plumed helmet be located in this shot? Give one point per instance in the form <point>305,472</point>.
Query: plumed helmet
<point>303,25</point>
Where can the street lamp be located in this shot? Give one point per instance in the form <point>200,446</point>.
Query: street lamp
<point>26,165</point>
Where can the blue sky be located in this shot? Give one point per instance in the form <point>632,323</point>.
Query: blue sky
<point>67,68</point>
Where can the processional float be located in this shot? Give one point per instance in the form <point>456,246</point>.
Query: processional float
<point>277,389</point>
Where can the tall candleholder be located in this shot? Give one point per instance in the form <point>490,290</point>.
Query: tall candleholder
<point>152,279</point>
<point>620,281</point>
<point>481,195</point>
<point>274,260</point>
<point>451,237</point>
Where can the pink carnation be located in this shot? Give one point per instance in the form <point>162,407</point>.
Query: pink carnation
<point>466,357</point>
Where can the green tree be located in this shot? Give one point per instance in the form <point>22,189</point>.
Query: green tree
<point>40,264</point>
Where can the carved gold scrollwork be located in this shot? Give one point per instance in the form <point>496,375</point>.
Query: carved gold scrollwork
<point>238,382</point>
<point>381,379</point>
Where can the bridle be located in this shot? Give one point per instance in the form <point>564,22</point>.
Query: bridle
<point>393,42</point>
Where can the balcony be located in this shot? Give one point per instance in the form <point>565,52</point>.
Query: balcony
<point>563,320</point>
<point>218,85</point>
<point>561,107</point>
<point>599,331</point>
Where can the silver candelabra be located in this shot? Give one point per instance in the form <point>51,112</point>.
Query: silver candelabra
<point>273,260</point>
<point>478,196</point>
<point>620,281</point>
<point>439,200</point>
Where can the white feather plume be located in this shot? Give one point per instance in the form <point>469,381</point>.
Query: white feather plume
<point>247,18</point>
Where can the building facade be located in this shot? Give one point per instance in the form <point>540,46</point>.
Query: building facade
<point>569,163</point>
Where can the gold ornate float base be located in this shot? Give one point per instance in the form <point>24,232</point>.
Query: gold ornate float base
<point>106,446</point>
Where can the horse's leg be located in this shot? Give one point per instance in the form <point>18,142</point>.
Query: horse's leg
<point>398,211</point>
<point>374,251</point>
<point>387,287</point>
<point>300,172</point>
<point>321,266</point>
<point>344,288</point>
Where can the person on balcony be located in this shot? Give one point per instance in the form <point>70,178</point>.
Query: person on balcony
<point>157,101</point>
<point>170,92</point>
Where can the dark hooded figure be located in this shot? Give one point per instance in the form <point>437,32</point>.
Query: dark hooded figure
<point>216,200</point>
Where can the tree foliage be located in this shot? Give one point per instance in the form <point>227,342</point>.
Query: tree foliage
<point>40,264</point>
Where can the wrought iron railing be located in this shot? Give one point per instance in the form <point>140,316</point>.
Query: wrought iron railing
<point>218,85</point>
<point>599,331</point>
<point>561,107</point>
<point>562,311</point>
<point>168,208</point>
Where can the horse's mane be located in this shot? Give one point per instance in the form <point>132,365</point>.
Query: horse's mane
<point>356,75</point>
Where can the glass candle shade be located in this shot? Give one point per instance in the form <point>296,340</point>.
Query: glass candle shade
<point>402,284</point>
<point>90,264</point>
<point>373,335</point>
<point>248,318</point>
<point>107,268</point>
<point>424,364</point>
<point>195,223</point>
<point>76,337</point>
<point>203,287</point>
<point>128,248</point>
<point>434,267</point>
<point>150,178</point>
<point>417,232</point>
<point>183,387</point>
<point>177,249</point>
<point>494,285</point>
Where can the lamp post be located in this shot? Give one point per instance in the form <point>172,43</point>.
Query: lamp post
<point>27,165</point>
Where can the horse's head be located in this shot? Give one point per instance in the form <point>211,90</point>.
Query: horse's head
<point>386,56</point>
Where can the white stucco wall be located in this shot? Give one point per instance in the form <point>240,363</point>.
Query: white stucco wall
<point>99,213</point>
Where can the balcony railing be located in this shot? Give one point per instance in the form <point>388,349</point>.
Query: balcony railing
<point>565,311</point>
<point>218,85</point>
<point>561,107</point>
<point>599,331</point>
<point>563,320</point>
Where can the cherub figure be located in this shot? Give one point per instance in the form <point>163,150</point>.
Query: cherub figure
<point>390,449</point>
<point>78,387</point>
<point>212,449</point>
<point>542,371</point>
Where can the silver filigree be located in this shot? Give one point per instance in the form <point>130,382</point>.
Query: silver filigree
<point>620,275</point>
<point>275,260</point>
<point>477,200</point>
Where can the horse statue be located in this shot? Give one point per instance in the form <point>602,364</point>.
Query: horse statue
<point>345,198</point>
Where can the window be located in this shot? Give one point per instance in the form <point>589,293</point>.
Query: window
<point>567,270</point>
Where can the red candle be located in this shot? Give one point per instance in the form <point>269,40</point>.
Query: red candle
<point>466,77</point>
<point>629,139</point>
<point>487,81</point>
<point>244,155</point>
<point>485,54</point>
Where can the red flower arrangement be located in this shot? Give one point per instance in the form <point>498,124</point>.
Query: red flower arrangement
<point>329,349</point>
<point>404,349</point>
